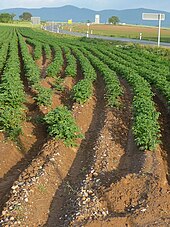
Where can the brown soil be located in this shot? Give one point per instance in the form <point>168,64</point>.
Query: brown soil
<point>43,63</point>
<point>10,155</point>
<point>164,121</point>
<point>121,30</point>
<point>30,49</point>
<point>17,156</point>
<point>60,159</point>
<point>61,98</point>
<point>104,181</point>
<point>58,98</point>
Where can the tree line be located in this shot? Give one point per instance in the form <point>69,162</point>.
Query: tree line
<point>8,18</point>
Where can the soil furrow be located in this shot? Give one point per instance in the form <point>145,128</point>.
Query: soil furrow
<point>62,73</point>
<point>164,121</point>
<point>115,159</point>
<point>136,195</point>
<point>29,143</point>
<point>63,204</point>
<point>42,191</point>
<point>45,63</point>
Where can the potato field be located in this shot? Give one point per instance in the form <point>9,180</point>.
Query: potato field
<point>84,132</point>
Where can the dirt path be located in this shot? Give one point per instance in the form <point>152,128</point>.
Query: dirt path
<point>141,197</point>
<point>165,132</point>
<point>29,143</point>
<point>114,150</point>
<point>64,202</point>
<point>64,97</point>
<point>30,131</point>
<point>30,49</point>
<point>43,63</point>
<point>55,170</point>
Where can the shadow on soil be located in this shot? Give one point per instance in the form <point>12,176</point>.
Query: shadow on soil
<point>12,175</point>
<point>64,202</point>
<point>80,166</point>
<point>165,131</point>
<point>41,138</point>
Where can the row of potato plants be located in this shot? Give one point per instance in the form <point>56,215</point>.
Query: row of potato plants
<point>60,122</point>
<point>33,75</point>
<point>43,36</point>
<point>12,93</point>
<point>55,67</point>
<point>47,50</point>
<point>155,55</point>
<point>3,37</point>
<point>37,48</point>
<point>6,32</point>
<point>4,49</point>
<point>62,125</point>
<point>159,81</point>
<point>146,129</point>
<point>112,84</point>
<point>33,39</point>
<point>83,90</point>
<point>3,55</point>
<point>140,60</point>
<point>152,140</point>
<point>71,68</point>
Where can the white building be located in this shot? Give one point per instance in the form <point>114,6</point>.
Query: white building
<point>35,20</point>
<point>97,19</point>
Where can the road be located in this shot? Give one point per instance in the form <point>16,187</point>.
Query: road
<point>78,34</point>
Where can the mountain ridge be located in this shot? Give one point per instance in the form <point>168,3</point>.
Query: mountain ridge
<point>64,13</point>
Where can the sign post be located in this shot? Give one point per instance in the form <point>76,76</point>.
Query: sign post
<point>155,16</point>
<point>140,35</point>
<point>88,25</point>
<point>159,30</point>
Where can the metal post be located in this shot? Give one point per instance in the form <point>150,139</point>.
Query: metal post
<point>88,29</point>
<point>140,35</point>
<point>52,26</point>
<point>159,30</point>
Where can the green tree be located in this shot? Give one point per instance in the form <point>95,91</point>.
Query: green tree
<point>13,15</point>
<point>6,17</point>
<point>114,20</point>
<point>25,16</point>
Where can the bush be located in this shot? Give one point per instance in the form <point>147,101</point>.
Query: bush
<point>62,125</point>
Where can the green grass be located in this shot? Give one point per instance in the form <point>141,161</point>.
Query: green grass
<point>20,24</point>
<point>123,31</point>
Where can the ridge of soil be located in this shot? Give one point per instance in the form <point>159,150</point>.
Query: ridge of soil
<point>30,49</point>
<point>24,141</point>
<point>64,97</point>
<point>28,144</point>
<point>56,168</point>
<point>164,121</point>
<point>105,181</point>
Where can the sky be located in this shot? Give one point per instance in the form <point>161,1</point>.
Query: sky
<point>91,4</point>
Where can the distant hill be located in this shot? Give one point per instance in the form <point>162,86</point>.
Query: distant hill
<point>62,14</point>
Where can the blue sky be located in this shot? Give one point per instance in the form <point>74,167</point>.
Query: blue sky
<point>92,4</point>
